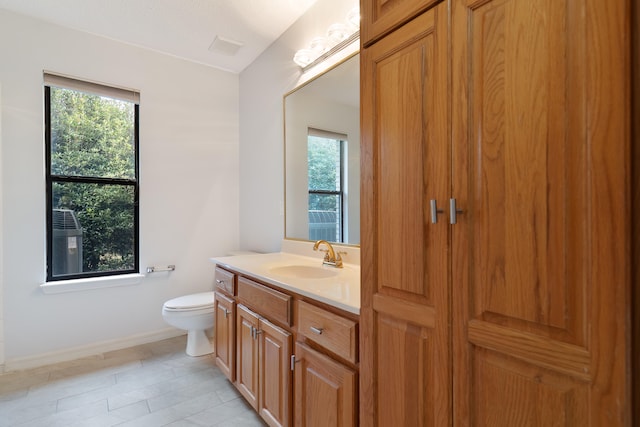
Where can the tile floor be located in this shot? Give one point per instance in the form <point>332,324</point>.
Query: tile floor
<point>151,385</point>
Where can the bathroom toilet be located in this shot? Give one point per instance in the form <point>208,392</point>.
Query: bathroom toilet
<point>195,314</point>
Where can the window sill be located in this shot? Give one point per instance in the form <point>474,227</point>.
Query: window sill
<point>92,283</point>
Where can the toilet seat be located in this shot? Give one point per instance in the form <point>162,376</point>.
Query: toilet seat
<point>202,300</point>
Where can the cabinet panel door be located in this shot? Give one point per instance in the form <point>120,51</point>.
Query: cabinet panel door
<point>381,16</point>
<point>405,344</point>
<point>225,329</point>
<point>275,374</point>
<point>325,392</point>
<point>539,276</point>
<point>247,355</point>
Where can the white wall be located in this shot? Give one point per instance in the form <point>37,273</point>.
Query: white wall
<point>189,199</point>
<point>262,86</point>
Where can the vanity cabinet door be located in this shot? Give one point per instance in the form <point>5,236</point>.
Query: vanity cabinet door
<point>325,390</point>
<point>225,335</point>
<point>247,354</point>
<point>275,374</point>
<point>263,373</point>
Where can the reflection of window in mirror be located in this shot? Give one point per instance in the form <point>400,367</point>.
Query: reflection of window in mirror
<point>325,160</point>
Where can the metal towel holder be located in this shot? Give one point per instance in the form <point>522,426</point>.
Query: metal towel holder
<point>159,269</point>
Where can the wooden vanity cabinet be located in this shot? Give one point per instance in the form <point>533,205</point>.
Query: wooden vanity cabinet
<point>266,324</point>
<point>263,373</point>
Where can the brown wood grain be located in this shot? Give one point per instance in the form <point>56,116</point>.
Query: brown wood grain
<point>540,141</point>
<point>338,334</point>
<point>270,303</point>
<point>540,271</point>
<point>225,282</point>
<point>326,391</point>
<point>275,405</point>
<point>247,374</point>
<point>225,335</point>
<point>405,289</point>
<point>379,17</point>
<point>635,206</point>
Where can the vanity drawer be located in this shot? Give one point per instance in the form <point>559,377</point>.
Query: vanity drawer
<point>331,331</point>
<point>268,302</point>
<point>225,282</point>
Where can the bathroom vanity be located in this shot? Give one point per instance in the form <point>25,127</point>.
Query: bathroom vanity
<point>286,335</point>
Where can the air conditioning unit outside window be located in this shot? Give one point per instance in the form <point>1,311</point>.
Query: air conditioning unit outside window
<point>67,243</point>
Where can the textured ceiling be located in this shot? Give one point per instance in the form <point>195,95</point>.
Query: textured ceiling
<point>182,28</point>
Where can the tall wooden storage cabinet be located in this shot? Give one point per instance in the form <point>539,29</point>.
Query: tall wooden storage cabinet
<point>496,228</point>
<point>405,337</point>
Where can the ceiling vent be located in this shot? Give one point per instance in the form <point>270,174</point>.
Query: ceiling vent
<point>225,46</point>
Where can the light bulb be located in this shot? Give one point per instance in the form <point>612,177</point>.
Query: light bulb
<point>337,33</point>
<point>319,45</point>
<point>304,57</point>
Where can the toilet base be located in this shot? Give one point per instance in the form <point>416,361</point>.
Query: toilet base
<point>198,343</point>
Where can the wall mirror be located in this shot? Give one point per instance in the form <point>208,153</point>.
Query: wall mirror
<point>322,156</point>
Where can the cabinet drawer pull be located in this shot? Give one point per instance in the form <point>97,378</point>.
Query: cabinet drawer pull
<point>220,282</point>
<point>316,330</point>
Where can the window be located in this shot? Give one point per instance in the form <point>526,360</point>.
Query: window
<point>325,165</point>
<point>91,139</point>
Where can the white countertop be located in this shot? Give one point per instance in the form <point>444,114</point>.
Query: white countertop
<point>341,289</point>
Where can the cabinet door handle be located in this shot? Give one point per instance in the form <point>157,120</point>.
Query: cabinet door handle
<point>220,282</point>
<point>293,362</point>
<point>316,330</point>
<point>434,211</point>
<point>255,332</point>
<point>453,212</point>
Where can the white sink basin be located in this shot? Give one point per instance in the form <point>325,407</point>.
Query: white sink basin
<point>304,271</point>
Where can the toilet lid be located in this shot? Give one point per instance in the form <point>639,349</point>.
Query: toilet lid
<point>186,302</point>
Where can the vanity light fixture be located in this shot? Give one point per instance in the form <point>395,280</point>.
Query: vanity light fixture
<point>304,57</point>
<point>319,45</point>
<point>337,33</point>
<point>339,36</point>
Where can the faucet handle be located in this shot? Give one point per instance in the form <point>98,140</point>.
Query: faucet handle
<point>326,253</point>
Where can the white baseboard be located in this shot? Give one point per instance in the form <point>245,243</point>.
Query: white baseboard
<point>65,355</point>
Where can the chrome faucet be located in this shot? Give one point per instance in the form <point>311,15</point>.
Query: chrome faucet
<point>331,257</point>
